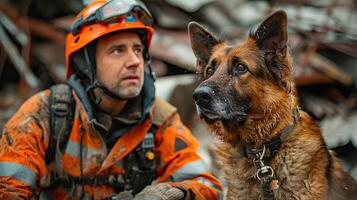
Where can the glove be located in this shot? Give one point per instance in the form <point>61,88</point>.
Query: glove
<point>161,191</point>
<point>121,196</point>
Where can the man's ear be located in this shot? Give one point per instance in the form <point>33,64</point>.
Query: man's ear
<point>202,42</point>
<point>272,34</point>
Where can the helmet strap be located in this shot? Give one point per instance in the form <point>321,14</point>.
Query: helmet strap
<point>102,91</point>
<point>148,64</point>
<point>93,81</point>
<point>90,64</point>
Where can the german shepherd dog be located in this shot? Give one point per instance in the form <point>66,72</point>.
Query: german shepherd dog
<point>269,148</point>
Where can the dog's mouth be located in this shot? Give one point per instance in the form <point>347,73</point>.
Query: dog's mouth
<point>237,117</point>
<point>210,117</point>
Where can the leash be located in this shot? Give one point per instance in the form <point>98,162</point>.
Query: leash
<point>265,173</point>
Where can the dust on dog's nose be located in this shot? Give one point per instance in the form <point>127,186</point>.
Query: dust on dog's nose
<point>203,95</point>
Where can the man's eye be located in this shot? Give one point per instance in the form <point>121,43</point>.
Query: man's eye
<point>138,51</point>
<point>117,51</point>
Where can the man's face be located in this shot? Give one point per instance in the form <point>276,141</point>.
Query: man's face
<point>120,63</point>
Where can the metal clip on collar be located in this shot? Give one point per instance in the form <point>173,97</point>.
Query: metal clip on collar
<point>264,174</point>
<point>262,169</point>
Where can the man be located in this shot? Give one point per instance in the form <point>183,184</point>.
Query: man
<point>106,136</point>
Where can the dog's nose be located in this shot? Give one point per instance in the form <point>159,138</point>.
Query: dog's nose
<point>202,95</point>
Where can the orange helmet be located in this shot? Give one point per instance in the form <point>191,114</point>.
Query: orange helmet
<point>102,17</point>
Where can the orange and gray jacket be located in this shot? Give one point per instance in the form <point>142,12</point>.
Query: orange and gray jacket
<point>26,137</point>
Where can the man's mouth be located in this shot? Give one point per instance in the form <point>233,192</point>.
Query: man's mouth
<point>131,78</point>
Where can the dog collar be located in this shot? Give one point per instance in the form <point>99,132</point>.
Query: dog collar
<point>272,147</point>
<point>265,173</point>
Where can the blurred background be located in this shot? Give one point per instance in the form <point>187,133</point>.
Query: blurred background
<point>322,38</point>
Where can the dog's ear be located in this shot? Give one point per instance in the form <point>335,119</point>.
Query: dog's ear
<point>202,42</point>
<point>271,37</point>
<point>272,34</point>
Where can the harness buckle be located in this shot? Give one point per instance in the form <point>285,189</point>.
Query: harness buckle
<point>264,171</point>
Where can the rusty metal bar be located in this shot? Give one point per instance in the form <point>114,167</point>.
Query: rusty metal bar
<point>17,60</point>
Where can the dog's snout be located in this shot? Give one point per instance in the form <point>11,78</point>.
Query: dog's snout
<point>202,95</point>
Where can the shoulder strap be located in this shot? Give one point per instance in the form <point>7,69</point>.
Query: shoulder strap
<point>61,109</point>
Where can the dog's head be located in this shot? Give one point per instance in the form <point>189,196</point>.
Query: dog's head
<point>247,89</point>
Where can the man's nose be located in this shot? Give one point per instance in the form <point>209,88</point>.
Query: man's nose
<point>133,59</point>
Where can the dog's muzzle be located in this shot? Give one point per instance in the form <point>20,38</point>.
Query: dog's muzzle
<point>203,97</point>
<point>212,106</point>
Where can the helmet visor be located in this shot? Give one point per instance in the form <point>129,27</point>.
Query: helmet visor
<point>113,11</point>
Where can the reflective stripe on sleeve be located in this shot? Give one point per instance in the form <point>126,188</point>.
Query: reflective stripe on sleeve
<point>210,184</point>
<point>18,172</point>
<point>190,171</point>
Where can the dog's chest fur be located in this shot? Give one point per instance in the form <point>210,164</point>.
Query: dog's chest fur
<point>291,165</point>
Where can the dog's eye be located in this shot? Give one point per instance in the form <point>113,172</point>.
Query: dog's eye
<point>239,69</point>
<point>209,71</point>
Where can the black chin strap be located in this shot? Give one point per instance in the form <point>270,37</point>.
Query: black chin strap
<point>103,91</point>
<point>265,173</point>
<point>93,80</point>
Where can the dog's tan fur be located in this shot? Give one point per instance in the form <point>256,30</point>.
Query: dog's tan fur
<point>265,99</point>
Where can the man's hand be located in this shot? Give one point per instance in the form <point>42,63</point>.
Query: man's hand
<point>121,196</point>
<point>161,191</point>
